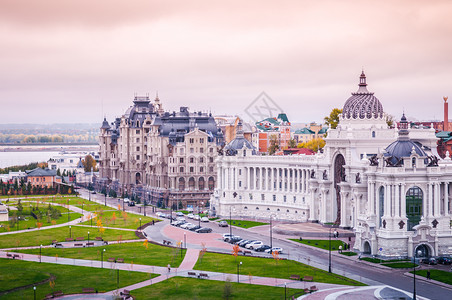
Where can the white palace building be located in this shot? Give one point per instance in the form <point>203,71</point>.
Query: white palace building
<point>388,185</point>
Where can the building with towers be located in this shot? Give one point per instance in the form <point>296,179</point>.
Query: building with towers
<point>388,185</point>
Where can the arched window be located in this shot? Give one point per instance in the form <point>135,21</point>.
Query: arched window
<point>181,184</point>
<point>373,134</point>
<point>191,183</point>
<point>201,184</point>
<point>211,183</point>
<point>381,198</point>
<point>413,162</point>
<point>414,198</point>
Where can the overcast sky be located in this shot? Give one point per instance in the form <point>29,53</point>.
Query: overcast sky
<point>76,61</point>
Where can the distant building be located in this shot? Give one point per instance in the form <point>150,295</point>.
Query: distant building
<point>4,213</point>
<point>305,134</point>
<point>228,125</point>
<point>43,177</point>
<point>165,158</point>
<point>272,128</point>
<point>68,162</point>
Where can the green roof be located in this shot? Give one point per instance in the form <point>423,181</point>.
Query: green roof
<point>443,134</point>
<point>304,131</point>
<point>283,117</point>
<point>323,130</point>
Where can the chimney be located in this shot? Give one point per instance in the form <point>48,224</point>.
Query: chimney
<point>446,115</point>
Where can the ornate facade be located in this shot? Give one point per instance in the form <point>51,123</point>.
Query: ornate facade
<point>385,184</point>
<point>165,158</point>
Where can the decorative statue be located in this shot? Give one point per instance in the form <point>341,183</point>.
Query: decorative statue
<point>358,178</point>
<point>325,175</point>
<point>312,173</point>
<point>374,160</point>
<point>432,161</point>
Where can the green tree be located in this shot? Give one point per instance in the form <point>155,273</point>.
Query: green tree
<point>89,162</point>
<point>292,143</point>
<point>333,119</point>
<point>274,145</point>
<point>390,121</point>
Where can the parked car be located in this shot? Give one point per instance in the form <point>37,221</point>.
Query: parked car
<point>254,244</point>
<point>180,218</point>
<point>93,192</point>
<point>195,217</point>
<point>203,230</point>
<point>194,228</point>
<point>186,225</point>
<point>274,249</point>
<point>262,248</point>
<point>234,239</point>
<point>190,216</point>
<point>444,260</point>
<point>180,214</point>
<point>205,219</point>
<point>430,261</point>
<point>223,224</point>
<point>226,236</point>
<point>126,200</point>
<point>131,203</point>
<point>245,242</point>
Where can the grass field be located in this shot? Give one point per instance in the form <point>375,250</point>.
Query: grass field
<point>438,275</point>
<point>69,279</point>
<point>120,219</point>
<point>135,253</point>
<point>191,288</point>
<point>266,267</point>
<point>399,265</point>
<point>322,244</point>
<point>45,236</point>
<point>244,224</point>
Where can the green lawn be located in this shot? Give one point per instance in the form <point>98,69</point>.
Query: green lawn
<point>349,253</point>
<point>244,224</point>
<point>46,236</point>
<point>69,279</point>
<point>399,265</point>
<point>266,267</point>
<point>438,275</point>
<point>120,219</point>
<point>323,244</point>
<point>135,253</point>
<point>28,222</point>
<point>191,288</point>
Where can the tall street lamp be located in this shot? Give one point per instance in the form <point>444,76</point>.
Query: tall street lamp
<point>271,237</point>
<point>145,206</point>
<point>285,290</point>
<point>102,259</point>
<point>70,231</point>
<point>414,273</point>
<point>88,238</point>
<point>40,253</point>
<point>185,241</point>
<point>105,194</point>
<point>140,224</point>
<point>238,271</point>
<point>329,256</point>
<point>230,223</point>
<point>34,292</point>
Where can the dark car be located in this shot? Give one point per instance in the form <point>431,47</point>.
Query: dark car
<point>246,243</point>
<point>195,228</point>
<point>262,248</point>
<point>444,260</point>
<point>131,203</point>
<point>234,240</point>
<point>203,230</point>
<point>430,261</point>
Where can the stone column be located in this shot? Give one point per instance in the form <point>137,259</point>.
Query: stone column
<point>278,177</point>
<point>293,180</point>
<point>397,201</point>
<point>254,178</point>
<point>247,185</point>
<point>387,208</point>
<point>446,199</point>
<point>343,210</point>
<point>403,200</point>
<point>272,175</point>
<point>430,199</point>
<point>436,201</point>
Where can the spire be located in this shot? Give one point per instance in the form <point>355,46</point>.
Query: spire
<point>403,132</point>
<point>362,84</point>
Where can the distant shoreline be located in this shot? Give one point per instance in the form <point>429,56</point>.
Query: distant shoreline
<point>48,147</point>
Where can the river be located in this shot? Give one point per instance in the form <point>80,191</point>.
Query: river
<point>24,154</point>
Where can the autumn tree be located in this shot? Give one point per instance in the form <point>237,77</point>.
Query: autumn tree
<point>88,163</point>
<point>333,119</point>
<point>292,143</point>
<point>274,145</point>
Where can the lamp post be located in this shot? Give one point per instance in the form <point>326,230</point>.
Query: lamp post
<point>40,253</point>
<point>68,214</point>
<point>117,279</point>
<point>140,224</point>
<point>123,206</point>
<point>271,238</point>
<point>419,252</point>
<point>82,208</point>
<point>70,231</point>
<point>329,255</point>
<point>144,213</point>
<point>88,238</point>
<point>105,194</point>
<point>185,241</point>
<point>102,259</point>
<point>285,290</point>
<point>230,222</point>
<point>199,215</point>
<point>34,292</point>
<point>238,271</point>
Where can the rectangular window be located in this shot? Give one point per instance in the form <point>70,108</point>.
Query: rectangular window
<point>294,199</point>
<point>285,198</point>
<point>274,197</point>
<point>201,140</point>
<point>192,150</point>
<point>138,157</point>
<point>201,159</point>
<point>201,150</point>
<point>138,148</point>
<point>181,150</point>
<point>192,160</point>
<point>211,150</point>
<point>240,171</point>
<point>192,141</point>
<point>201,169</point>
<point>138,140</point>
<point>211,159</point>
<point>262,197</point>
<point>137,131</point>
<point>181,160</point>
<point>211,169</point>
<point>181,169</point>
<point>192,169</point>
<point>240,184</point>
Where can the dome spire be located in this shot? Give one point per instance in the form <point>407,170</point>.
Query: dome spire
<point>362,84</point>
<point>403,132</point>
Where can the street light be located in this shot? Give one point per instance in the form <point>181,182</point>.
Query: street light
<point>70,231</point>
<point>105,194</point>
<point>40,252</point>
<point>230,223</point>
<point>145,206</point>
<point>88,238</point>
<point>34,292</point>
<point>285,290</point>
<point>140,224</point>
<point>185,241</point>
<point>271,237</point>
<point>68,214</point>
<point>82,208</point>
<point>238,271</point>
<point>329,256</point>
<point>102,259</point>
<point>419,252</point>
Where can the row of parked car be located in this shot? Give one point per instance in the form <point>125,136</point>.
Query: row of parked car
<point>182,223</point>
<point>255,245</point>
<point>445,260</point>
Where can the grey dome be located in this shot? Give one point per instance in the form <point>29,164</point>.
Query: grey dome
<point>362,104</point>
<point>239,142</point>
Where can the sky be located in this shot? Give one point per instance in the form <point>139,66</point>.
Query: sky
<point>78,61</point>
